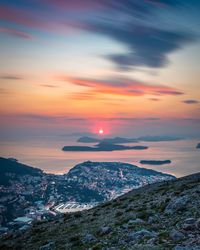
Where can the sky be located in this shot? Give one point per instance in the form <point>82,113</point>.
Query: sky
<point>128,67</point>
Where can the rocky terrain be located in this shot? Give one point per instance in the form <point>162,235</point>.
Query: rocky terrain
<point>158,216</point>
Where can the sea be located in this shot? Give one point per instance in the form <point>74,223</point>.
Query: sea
<point>45,152</point>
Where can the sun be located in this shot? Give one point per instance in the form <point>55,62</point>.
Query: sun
<point>101,131</point>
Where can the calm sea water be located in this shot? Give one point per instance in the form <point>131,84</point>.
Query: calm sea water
<point>45,152</point>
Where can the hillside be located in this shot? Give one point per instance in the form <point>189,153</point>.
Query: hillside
<point>111,179</point>
<point>11,169</point>
<point>23,187</point>
<point>158,216</point>
<point>20,187</point>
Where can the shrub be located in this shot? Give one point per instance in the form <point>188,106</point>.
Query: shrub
<point>74,238</point>
<point>118,213</point>
<point>77,214</point>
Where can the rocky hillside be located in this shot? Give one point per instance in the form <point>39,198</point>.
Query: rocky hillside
<point>158,216</point>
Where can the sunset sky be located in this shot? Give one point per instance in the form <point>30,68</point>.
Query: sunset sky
<point>129,67</point>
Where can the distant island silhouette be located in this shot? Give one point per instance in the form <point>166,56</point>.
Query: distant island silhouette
<point>103,146</point>
<point>88,139</point>
<point>155,162</point>
<point>198,145</point>
<point>158,138</point>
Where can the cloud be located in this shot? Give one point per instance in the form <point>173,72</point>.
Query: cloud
<point>146,46</point>
<point>154,99</point>
<point>62,118</point>
<point>121,86</point>
<point>130,6</point>
<point>4,91</point>
<point>30,117</point>
<point>131,119</point>
<point>84,96</point>
<point>18,16</point>
<point>10,77</point>
<point>126,22</point>
<point>163,3</point>
<point>17,33</point>
<point>35,18</point>
<point>190,101</point>
<point>49,86</point>
<point>76,5</point>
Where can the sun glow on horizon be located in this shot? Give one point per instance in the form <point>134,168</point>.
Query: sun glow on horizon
<point>101,131</point>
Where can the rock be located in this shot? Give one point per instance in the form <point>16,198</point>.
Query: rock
<point>136,221</point>
<point>142,234</point>
<point>89,238</point>
<point>153,219</point>
<point>105,230</point>
<point>189,224</point>
<point>198,224</point>
<point>48,246</point>
<point>176,235</point>
<point>125,226</point>
<point>176,204</point>
<point>151,241</point>
<point>186,248</point>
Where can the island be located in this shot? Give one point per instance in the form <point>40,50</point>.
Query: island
<point>198,145</point>
<point>103,146</point>
<point>155,162</point>
<point>158,138</point>
<point>148,138</point>
<point>87,139</point>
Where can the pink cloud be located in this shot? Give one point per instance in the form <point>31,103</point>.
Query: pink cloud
<point>37,20</point>
<point>15,32</point>
<point>18,16</point>
<point>123,86</point>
